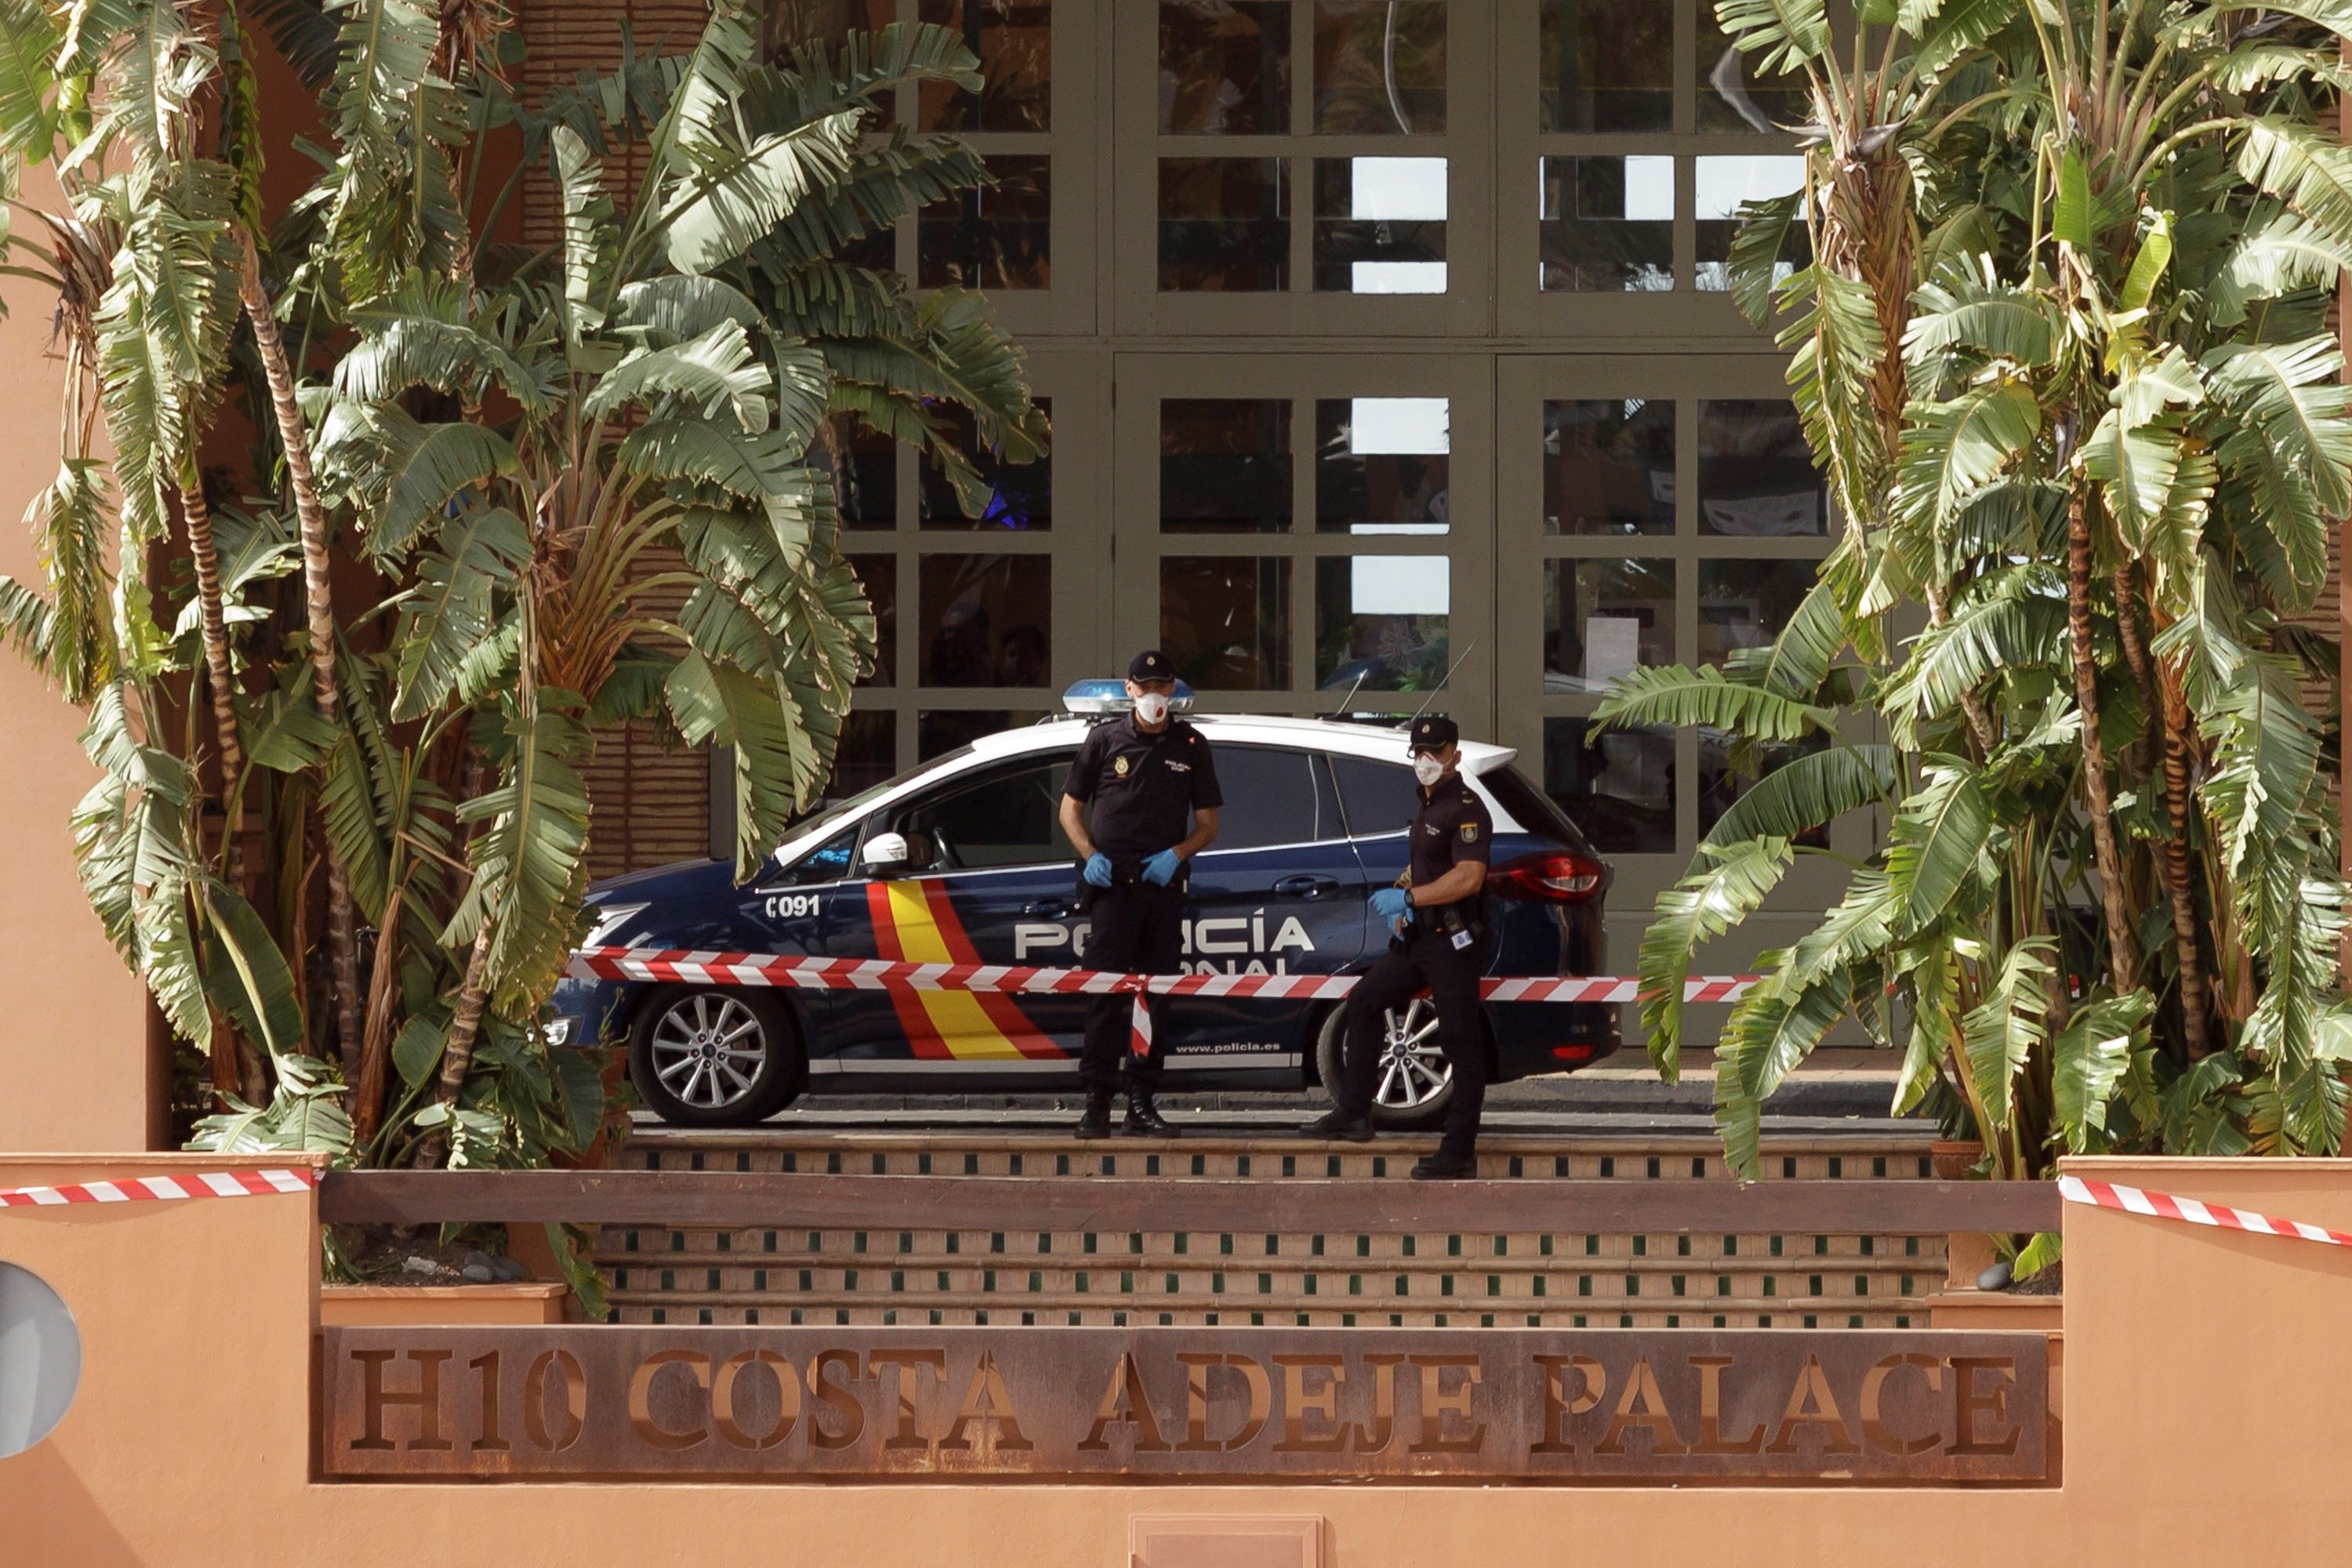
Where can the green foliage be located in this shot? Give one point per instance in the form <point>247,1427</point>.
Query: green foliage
<point>2065,313</point>
<point>555,491</point>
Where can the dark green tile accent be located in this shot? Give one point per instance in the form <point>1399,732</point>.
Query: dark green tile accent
<point>1776,1246</point>
<point>726,1241</point>
<point>1650,1167</point>
<point>1086,1243</point>
<point>767,1241</point>
<point>1266,1284</point>
<point>1907,1284</point>
<point>1543,1245</point>
<point>923,1163</point>
<point>1173,1286</point>
<point>1013,1168</point>
<point>694,1161</point>
<point>995,1241</point>
<point>1870,1246</point>
<point>1675,1284</point>
<point>1789,1168</point>
<point>1126,1282</point>
<point>1732,1247</point>
<point>628,1241</point>
<point>1225,1246</point>
<point>1837,1166</point>
<point>668,1279</point>
<point>1241,1165</point>
<point>881,1163</point>
<point>856,1241</point>
<point>1584,1284</point>
<point>1608,1165</point>
<point>1036,1282</point>
<point>1625,1320</point>
<point>1363,1246</point>
<point>792,1162</point>
<point>1310,1284</point>
<point>1813,1284</point>
<point>1640,1246</point>
<point>661,1315</point>
<point>1273,1245</point>
<point>1217,1283</point>
<point>1061,1164</point>
<point>935,1317</point>
<point>1409,1251</point>
<point>1722,1284</point>
<point>972,1165</point>
<point>1682,1247</point>
<point>1331,1165</point>
<point>1453,1246</point>
<point>1539,1283</point>
<point>710,1279</point>
<point>1861,1284</point>
<point>678,1241</point>
<point>808,1279</point>
<point>1517,1167</point>
<point>1674,1320</point>
<point>1910,1246</point>
<point>1379,1165</point>
<point>1045,1241</point>
<point>1578,1320</point>
<point>1821,1246</point>
<point>1559,1165</point>
<point>1355,1284</point>
<point>1494,1284</point>
<point>1183,1243</point>
<point>1315,1244</point>
<point>1110,1164</point>
<point>1878,1165</point>
<point>1632,1284</point>
<point>1699,1165</point>
<point>1135,1242</point>
<point>752,1316</point>
<point>1771,1285</point>
<point>817,1241</point>
<point>1347,1320</point>
<point>1290,1164</point>
<point>1718,1321</point>
<point>832,1163</point>
<point>653,1159</point>
<point>1592,1247</point>
<point>955,1242</point>
<point>1403,1285</point>
<point>943,1286</point>
<point>849,1279</point>
<point>988,1280</point>
<point>1199,1164</point>
<point>1903,1319</point>
<point>1151,1164</point>
<point>620,1279</point>
<point>1081,1282</point>
<point>906,1241</point>
<point>1811,1321</point>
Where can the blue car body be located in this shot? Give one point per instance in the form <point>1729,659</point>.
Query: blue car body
<point>1315,819</point>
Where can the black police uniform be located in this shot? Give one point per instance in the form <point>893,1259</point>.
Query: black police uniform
<point>1443,950</point>
<point>1143,788</point>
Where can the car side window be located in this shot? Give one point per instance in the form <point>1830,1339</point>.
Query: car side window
<point>1010,816</point>
<point>1381,797</point>
<point>831,861</point>
<point>1272,795</point>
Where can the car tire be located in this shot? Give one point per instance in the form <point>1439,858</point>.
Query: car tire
<point>693,1064</point>
<point>1394,1106</point>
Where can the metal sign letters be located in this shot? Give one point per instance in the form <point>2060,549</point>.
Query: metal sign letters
<point>1616,1406</point>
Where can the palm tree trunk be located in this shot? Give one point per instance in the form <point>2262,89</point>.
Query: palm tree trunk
<point>213,618</point>
<point>375,1051</point>
<point>2123,947</point>
<point>2173,714</point>
<point>342,934</point>
<point>457,1054</point>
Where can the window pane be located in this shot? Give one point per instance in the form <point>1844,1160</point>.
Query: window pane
<point>1720,782</point>
<point>1743,603</point>
<point>879,573</point>
<point>1014,39</point>
<point>1618,787</point>
<point>828,862</point>
<point>1225,620</point>
<point>1381,797</point>
<point>1755,473</point>
<point>1020,496</point>
<point>1608,224</point>
<point>1224,66</point>
<point>1607,65</point>
<point>1271,797</point>
<point>995,237</point>
<point>987,620</point>
<point>1225,224</point>
<point>864,466</point>
<point>1608,466</point>
<point>1603,618</point>
<point>1380,68</point>
<point>1381,465</point>
<point>1732,95</point>
<point>867,754</point>
<point>1224,465</point>
<point>941,730</point>
<point>1380,619</point>
<point>1009,819</point>
<point>1722,185</point>
<point>1379,226</point>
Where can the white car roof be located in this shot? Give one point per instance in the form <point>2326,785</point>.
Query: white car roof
<point>1377,741</point>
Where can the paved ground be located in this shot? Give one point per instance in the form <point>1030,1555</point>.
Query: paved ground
<point>1835,1092</point>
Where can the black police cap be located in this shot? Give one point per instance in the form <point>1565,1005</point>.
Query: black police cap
<point>1151,665</point>
<point>1433,731</point>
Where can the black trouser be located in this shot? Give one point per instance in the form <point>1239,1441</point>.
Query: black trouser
<point>1139,929</point>
<point>1450,975</point>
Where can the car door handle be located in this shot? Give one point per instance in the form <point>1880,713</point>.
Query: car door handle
<point>1306,887</point>
<point>1048,909</point>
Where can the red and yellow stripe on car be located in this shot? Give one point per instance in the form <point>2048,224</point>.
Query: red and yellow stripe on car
<point>915,923</point>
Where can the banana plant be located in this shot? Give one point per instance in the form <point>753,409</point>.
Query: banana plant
<point>501,499</point>
<point>2105,903</point>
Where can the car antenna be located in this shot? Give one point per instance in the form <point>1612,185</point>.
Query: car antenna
<point>1341,712</point>
<point>1443,684</point>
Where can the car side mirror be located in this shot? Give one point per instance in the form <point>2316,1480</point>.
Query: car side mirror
<point>886,855</point>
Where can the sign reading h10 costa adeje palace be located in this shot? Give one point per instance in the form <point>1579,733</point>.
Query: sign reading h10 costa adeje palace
<point>1539,1405</point>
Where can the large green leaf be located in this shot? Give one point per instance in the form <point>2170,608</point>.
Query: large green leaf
<point>2002,1031</point>
<point>1785,36</point>
<point>729,196</point>
<point>715,371</point>
<point>1771,1032</point>
<point>1950,449</point>
<point>1675,696</point>
<point>2088,1060</point>
<point>591,237</point>
<point>449,614</point>
<point>530,860</point>
<point>427,468</point>
<point>248,975</point>
<point>1732,883</point>
<point>1807,791</point>
<point>1940,835</point>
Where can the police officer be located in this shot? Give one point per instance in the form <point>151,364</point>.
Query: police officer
<point>1440,945</point>
<point>1153,787</point>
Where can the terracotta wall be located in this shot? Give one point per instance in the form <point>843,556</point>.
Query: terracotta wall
<point>2203,1413</point>
<point>77,1070</point>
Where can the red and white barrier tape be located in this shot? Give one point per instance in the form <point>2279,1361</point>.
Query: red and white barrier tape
<point>678,965</point>
<point>2190,1211</point>
<point>167,1189</point>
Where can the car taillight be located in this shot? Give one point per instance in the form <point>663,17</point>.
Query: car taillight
<point>1550,876</point>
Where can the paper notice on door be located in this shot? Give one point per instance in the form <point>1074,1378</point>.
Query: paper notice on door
<point>1613,646</point>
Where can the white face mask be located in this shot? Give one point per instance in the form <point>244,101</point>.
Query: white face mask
<point>1428,770</point>
<point>1151,706</point>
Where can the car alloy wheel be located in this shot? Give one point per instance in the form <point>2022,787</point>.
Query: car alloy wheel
<point>708,1051</point>
<point>714,1058</point>
<point>1413,1073</point>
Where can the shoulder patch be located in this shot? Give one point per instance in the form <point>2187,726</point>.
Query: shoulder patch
<point>1470,833</point>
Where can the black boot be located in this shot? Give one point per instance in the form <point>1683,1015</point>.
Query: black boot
<point>1095,1122</point>
<point>1339,1124</point>
<point>1143,1119</point>
<point>1445,1167</point>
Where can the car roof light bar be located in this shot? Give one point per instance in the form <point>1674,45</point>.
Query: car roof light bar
<point>1102,698</point>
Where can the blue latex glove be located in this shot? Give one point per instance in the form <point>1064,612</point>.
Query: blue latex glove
<point>1161,869</point>
<point>1097,871</point>
<point>1390,902</point>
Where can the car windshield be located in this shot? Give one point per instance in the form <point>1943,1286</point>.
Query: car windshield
<point>826,816</point>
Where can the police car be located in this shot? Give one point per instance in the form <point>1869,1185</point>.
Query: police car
<point>961,861</point>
